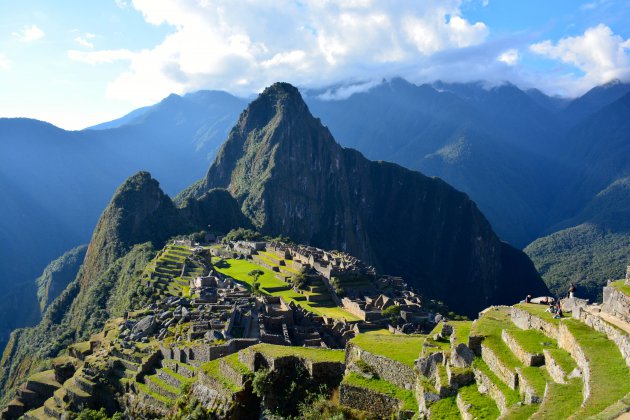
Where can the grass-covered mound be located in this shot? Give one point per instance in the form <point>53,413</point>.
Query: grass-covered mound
<point>402,348</point>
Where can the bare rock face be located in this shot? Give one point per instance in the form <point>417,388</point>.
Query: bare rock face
<point>462,356</point>
<point>145,327</point>
<point>291,178</point>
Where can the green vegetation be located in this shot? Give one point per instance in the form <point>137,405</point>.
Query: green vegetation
<point>239,270</point>
<point>313,354</point>
<point>540,311</point>
<point>393,313</point>
<point>145,389</point>
<point>536,377</point>
<point>101,414</point>
<point>481,406</point>
<point>511,396</point>
<point>490,325</point>
<point>563,359</point>
<point>236,364</point>
<point>461,330</point>
<point>58,275</point>
<point>213,369</point>
<point>587,255</point>
<point>444,409</point>
<point>240,234</point>
<point>621,286</point>
<point>407,398</point>
<point>402,348</point>
<point>609,373</point>
<point>532,341</point>
<point>561,400</point>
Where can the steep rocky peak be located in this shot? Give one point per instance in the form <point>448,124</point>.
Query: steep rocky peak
<point>278,102</point>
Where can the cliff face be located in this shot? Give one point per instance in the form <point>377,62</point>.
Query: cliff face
<point>292,178</point>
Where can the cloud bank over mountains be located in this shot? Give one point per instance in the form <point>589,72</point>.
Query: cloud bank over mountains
<point>246,45</point>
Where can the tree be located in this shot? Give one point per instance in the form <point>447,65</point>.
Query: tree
<point>256,284</point>
<point>393,313</point>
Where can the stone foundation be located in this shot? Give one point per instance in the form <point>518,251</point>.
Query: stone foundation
<point>619,337</point>
<point>528,359</point>
<point>486,386</point>
<point>504,373</point>
<point>616,303</point>
<point>390,370</point>
<point>364,399</point>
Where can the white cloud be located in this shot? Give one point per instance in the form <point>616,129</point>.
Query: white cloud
<point>29,33</point>
<point>5,63</point>
<point>244,46</point>
<point>598,53</point>
<point>83,42</point>
<point>100,57</point>
<point>122,4</point>
<point>509,57</point>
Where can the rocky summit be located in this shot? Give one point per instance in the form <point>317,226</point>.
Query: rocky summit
<point>291,178</point>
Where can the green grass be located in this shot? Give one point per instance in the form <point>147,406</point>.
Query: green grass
<point>313,354</point>
<point>521,412</point>
<point>621,286</point>
<point>609,374</point>
<point>179,377</point>
<point>45,377</point>
<point>532,341</point>
<point>407,398</point>
<point>490,325</point>
<point>232,361</point>
<point>162,384</point>
<point>481,405</point>
<point>563,359</point>
<point>511,396</point>
<point>536,377</point>
<point>561,400</point>
<point>145,389</point>
<point>461,331</point>
<point>239,269</point>
<point>444,409</point>
<point>213,369</point>
<point>402,348</point>
<point>540,311</point>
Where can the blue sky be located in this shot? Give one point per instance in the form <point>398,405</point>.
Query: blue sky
<point>79,63</point>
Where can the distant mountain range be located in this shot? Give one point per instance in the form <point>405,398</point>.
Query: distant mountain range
<point>535,165</point>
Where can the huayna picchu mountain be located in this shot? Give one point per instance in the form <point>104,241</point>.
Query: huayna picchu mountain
<point>139,219</point>
<point>291,178</point>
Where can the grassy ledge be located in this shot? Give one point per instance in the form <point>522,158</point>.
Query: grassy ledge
<point>481,406</point>
<point>407,398</point>
<point>402,348</point>
<point>213,369</point>
<point>444,409</point>
<point>609,373</point>
<point>621,286</point>
<point>312,354</point>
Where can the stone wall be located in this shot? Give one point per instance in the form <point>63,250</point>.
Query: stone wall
<point>506,374</point>
<point>567,342</point>
<point>527,390</point>
<point>390,370</point>
<point>526,321</point>
<point>486,386</point>
<point>554,369</point>
<point>528,359</point>
<point>619,337</point>
<point>373,402</point>
<point>616,303</point>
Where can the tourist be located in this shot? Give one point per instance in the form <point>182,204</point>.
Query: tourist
<point>528,299</point>
<point>572,290</point>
